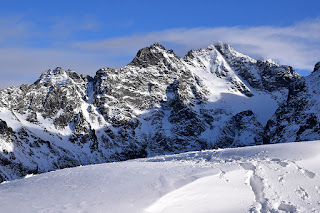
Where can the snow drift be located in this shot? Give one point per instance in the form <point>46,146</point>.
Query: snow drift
<point>269,178</point>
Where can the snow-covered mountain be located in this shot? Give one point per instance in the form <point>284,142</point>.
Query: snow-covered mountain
<point>270,178</point>
<point>157,104</point>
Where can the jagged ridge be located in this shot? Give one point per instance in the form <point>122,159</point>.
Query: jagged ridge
<point>157,104</point>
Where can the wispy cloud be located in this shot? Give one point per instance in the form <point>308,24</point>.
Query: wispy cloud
<point>297,45</point>
<point>25,65</point>
<point>27,48</point>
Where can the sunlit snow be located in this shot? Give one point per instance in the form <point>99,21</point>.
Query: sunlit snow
<point>268,178</point>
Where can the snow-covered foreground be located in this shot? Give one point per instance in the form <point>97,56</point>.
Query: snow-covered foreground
<point>272,178</point>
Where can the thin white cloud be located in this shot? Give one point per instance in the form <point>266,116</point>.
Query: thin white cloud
<point>297,45</point>
<point>25,65</point>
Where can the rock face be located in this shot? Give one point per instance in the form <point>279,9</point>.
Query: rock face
<point>157,104</point>
<point>298,118</point>
<point>266,75</point>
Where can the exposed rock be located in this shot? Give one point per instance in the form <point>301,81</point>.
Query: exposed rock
<point>298,118</point>
<point>158,104</point>
<point>316,67</point>
<point>243,129</point>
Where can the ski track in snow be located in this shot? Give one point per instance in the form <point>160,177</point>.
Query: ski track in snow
<point>274,178</point>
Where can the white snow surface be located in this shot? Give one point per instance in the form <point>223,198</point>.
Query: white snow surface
<point>268,178</point>
<point>216,74</point>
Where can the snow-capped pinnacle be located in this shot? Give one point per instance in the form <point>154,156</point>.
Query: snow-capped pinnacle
<point>54,72</point>
<point>157,45</point>
<point>223,46</point>
<point>210,60</point>
<point>54,76</point>
<point>229,53</point>
<point>271,61</point>
<point>211,47</point>
<point>317,67</point>
<point>195,53</point>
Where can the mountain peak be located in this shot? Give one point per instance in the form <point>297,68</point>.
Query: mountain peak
<point>223,47</point>
<point>317,67</point>
<point>57,71</point>
<point>271,61</point>
<point>193,53</point>
<point>228,52</point>
<point>53,76</point>
<point>157,45</point>
<point>149,56</point>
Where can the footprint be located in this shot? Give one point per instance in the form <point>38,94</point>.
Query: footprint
<point>307,172</point>
<point>248,166</point>
<point>303,194</point>
<point>281,163</point>
<point>287,208</point>
<point>281,179</point>
<point>222,175</point>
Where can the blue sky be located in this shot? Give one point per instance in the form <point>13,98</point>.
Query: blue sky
<point>88,35</point>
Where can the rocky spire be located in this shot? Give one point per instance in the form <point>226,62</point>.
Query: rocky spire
<point>316,67</point>
<point>149,56</point>
<point>53,76</point>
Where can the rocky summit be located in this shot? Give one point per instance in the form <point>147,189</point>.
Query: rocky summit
<point>158,104</point>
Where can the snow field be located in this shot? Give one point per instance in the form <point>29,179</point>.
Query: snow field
<point>269,178</point>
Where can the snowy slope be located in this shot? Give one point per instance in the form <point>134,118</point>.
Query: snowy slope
<point>269,178</point>
<point>228,89</point>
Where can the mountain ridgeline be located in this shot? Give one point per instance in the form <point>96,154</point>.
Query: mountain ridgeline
<point>157,104</point>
